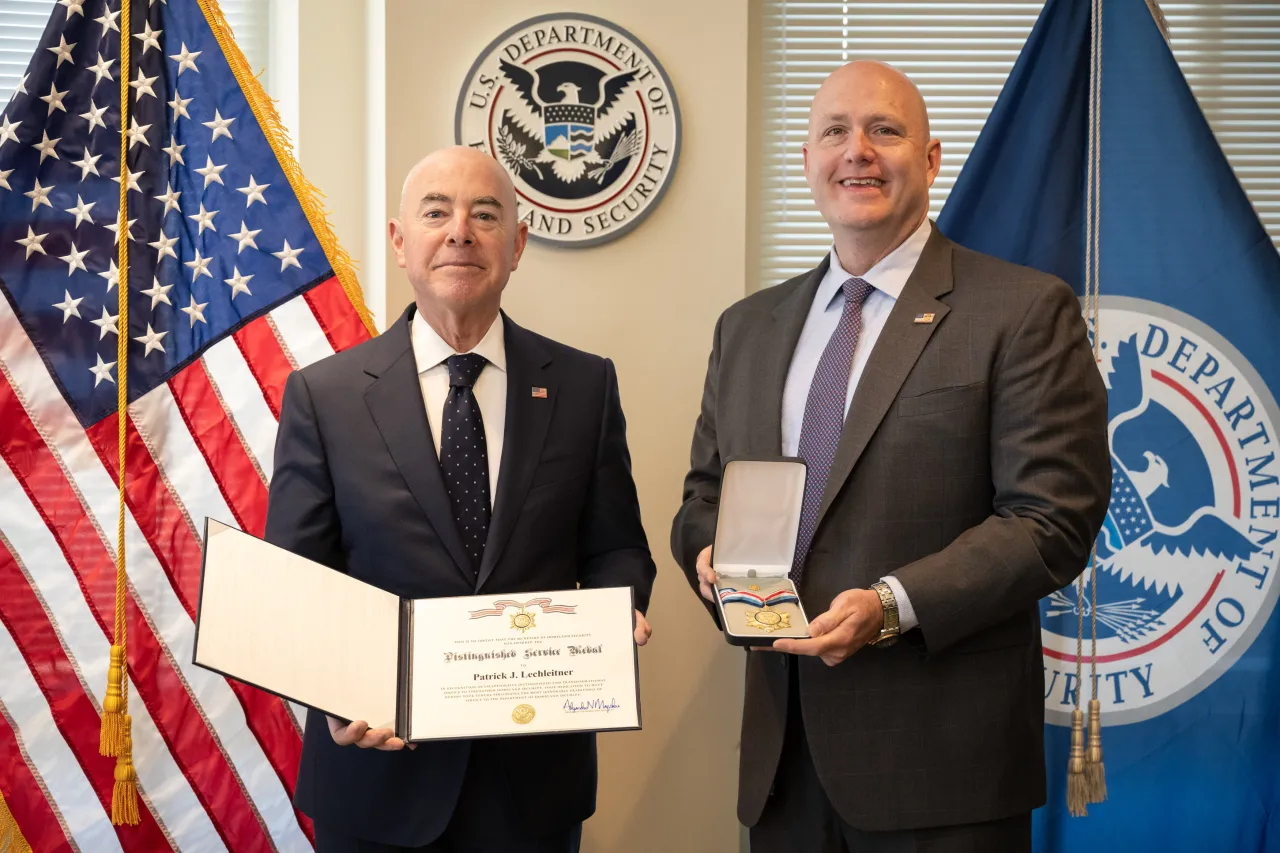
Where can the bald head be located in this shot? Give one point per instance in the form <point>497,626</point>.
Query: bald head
<point>456,160</point>
<point>870,75</point>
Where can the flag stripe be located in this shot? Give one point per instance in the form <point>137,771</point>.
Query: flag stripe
<point>173,802</point>
<point>332,308</point>
<point>244,401</point>
<point>185,491</point>
<point>300,332</point>
<point>266,359</point>
<point>73,712</point>
<point>235,472</point>
<point>159,686</point>
<point>23,790</point>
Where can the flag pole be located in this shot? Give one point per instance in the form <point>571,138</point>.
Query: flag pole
<point>116,735</point>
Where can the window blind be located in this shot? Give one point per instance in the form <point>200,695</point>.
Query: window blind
<point>959,53</point>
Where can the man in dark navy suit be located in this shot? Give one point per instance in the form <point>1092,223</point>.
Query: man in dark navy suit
<point>456,454</point>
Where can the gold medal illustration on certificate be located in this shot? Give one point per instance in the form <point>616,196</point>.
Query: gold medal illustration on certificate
<point>764,618</point>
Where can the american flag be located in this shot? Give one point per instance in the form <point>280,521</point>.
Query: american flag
<point>234,281</point>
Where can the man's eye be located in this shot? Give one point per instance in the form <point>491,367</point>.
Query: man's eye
<point>433,214</point>
<point>832,131</point>
<point>886,130</point>
<point>485,216</point>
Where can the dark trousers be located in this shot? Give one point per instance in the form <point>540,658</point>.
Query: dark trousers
<point>799,818</point>
<point>485,820</point>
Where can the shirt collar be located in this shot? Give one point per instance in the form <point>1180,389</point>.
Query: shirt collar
<point>889,276</point>
<point>429,349</point>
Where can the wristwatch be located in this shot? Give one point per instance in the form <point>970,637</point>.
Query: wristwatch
<point>889,631</point>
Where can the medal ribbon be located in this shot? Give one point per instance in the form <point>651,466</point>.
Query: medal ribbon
<point>782,596</point>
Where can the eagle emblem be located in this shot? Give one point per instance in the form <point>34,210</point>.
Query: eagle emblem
<point>570,125</point>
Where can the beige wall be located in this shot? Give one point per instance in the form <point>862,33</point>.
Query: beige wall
<point>648,300</point>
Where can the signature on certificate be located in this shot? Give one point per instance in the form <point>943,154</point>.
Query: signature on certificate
<point>573,707</point>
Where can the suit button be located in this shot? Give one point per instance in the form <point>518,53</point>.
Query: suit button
<point>784,661</point>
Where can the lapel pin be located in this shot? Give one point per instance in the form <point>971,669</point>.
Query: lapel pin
<point>540,393</point>
<point>924,318</point>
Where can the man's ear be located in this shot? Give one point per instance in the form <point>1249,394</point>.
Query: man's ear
<point>396,232</point>
<point>522,239</point>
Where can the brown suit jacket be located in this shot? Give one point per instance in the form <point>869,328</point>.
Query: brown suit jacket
<point>973,466</point>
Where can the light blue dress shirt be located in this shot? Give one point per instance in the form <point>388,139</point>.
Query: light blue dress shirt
<point>888,278</point>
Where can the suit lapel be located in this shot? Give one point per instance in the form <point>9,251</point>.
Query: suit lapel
<point>395,401</point>
<point>774,360</point>
<point>895,353</point>
<point>528,418</point>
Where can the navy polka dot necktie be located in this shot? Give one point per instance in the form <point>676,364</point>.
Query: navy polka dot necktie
<point>464,459</point>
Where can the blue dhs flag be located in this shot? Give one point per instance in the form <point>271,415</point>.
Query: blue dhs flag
<point>1187,670</point>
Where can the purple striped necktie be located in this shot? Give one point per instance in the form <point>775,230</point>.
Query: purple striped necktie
<point>824,414</point>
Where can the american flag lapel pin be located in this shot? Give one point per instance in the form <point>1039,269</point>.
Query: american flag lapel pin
<point>539,393</point>
<point>924,319</point>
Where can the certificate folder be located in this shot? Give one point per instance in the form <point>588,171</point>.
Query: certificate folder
<point>429,669</point>
<point>757,524</point>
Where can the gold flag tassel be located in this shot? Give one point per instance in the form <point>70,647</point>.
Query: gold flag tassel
<point>11,838</point>
<point>116,735</point>
<point>1095,774</point>
<point>1077,790</point>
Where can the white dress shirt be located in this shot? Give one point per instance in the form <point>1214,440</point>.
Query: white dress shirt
<point>887,278</point>
<point>490,390</point>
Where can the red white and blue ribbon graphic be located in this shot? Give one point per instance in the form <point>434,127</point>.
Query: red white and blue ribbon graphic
<point>545,603</point>
<point>782,596</point>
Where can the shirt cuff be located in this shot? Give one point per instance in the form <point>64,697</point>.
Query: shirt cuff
<point>906,615</point>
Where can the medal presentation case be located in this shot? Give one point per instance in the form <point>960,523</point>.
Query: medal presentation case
<point>756,529</point>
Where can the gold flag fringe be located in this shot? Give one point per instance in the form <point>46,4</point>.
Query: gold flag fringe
<point>309,196</point>
<point>11,838</point>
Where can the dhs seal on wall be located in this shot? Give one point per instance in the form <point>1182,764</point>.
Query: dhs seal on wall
<point>1187,555</point>
<point>584,119</point>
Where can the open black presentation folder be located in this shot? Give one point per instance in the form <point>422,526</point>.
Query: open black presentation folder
<point>340,646</point>
<point>757,523</point>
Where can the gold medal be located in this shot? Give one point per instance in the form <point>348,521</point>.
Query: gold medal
<point>522,621</point>
<point>523,714</point>
<point>768,620</point>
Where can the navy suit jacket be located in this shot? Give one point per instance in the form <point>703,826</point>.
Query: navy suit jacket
<point>357,486</point>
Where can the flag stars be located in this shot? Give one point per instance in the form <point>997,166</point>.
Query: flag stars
<point>132,180</point>
<point>22,84</point>
<point>108,21</point>
<point>94,116</point>
<point>186,59</point>
<point>81,211</point>
<point>74,259</point>
<point>102,371</point>
<point>195,311</point>
<point>54,98</point>
<point>62,50</point>
<point>68,306</point>
<point>158,293</point>
<point>210,172</point>
<point>179,106</point>
<point>111,274</point>
<point>46,146</point>
<point>32,242</point>
<point>8,130</point>
<point>138,133</point>
<point>102,69</point>
<point>74,7</point>
<point>151,340</point>
<point>142,85</point>
<point>174,151</point>
<point>199,267</point>
<point>253,192</point>
<point>106,324</point>
<point>39,195</point>
<point>245,237</point>
<point>204,219</point>
<point>164,247</point>
<point>219,126</point>
<point>170,199</point>
<point>114,228</point>
<point>238,283</point>
<point>4,179</point>
<point>150,38</point>
<point>288,257</point>
<point>87,163</point>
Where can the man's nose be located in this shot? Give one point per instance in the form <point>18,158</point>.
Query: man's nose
<point>859,148</point>
<point>460,233</point>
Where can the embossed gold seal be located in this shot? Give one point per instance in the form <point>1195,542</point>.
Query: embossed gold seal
<point>522,621</point>
<point>768,620</point>
<point>523,714</point>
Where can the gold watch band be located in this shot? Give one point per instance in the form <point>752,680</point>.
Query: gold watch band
<point>889,631</point>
